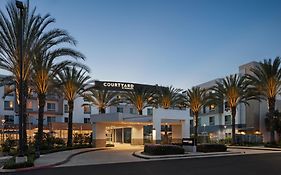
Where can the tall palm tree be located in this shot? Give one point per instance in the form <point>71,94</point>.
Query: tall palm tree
<point>45,67</point>
<point>33,30</point>
<point>233,89</point>
<point>102,98</point>
<point>73,82</point>
<point>196,98</point>
<point>266,78</point>
<point>140,97</point>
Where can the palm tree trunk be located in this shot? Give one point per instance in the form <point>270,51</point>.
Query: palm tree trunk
<point>196,126</point>
<point>42,102</point>
<point>25,119</point>
<point>233,114</point>
<point>271,108</point>
<point>70,117</point>
<point>140,112</point>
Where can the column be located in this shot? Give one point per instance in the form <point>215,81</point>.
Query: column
<point>156,131</point>
<point>137,135</point>
<point>99,137</point>
<point>185,128</point>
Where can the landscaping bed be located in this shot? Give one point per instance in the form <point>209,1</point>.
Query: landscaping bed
<point>157,149</point>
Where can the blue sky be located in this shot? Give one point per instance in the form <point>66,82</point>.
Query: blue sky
<point>168,42</point>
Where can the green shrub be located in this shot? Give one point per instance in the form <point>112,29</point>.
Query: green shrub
<point>8,145</point>
<point>109,145</point>
<point>11,163</point>
<point>211,148</point>
<point>156,149</point>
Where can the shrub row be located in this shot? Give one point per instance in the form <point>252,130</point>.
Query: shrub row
<point>11,163</point>
<point>156,149</point>
<point>211,148</point>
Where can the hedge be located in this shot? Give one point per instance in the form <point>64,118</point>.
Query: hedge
<point>211,148</point>
<point>157,149</point>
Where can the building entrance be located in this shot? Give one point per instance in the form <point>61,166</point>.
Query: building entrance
<point>119,135</point>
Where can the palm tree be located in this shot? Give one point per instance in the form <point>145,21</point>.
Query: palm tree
<point>266,78</point>
<point>166,98</point>
<point>102,98</point>
<point>44,69</point>
<point>140,97</point>
<point>33,30</point>
<point>233,89</point>
<point>73,82</point>
<point>196,98</point>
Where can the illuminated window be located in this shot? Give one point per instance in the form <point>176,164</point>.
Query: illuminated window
<point>87,109</point>
<point>29,105</point>
<point>8,105</point>
<point>51,106</point>
<point>212,107</point>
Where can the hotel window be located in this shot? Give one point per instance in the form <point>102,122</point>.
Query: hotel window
<point>51,106</point>
<point>149,111</point>
<point>8,90</point>
<point>86,120</point>
<point>8,105</point>
<point>87,109</point>
<point>191,123</point>
<point>132,111</point>
<point>66,109</point>
<point>51,119</point>
<point>119,109</point>
<point>227,120</point>
<point>212,107</point>
<point>9,119</point>
<point>226,106</point>
<point>199,122</point>
<point>204,109</point>
<point>211,121</point>
<point>29,105</point>
<point>65,119</point>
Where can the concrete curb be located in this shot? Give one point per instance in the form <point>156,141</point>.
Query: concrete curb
<point>67,159</point>
<point>254,148</point>
<point>190,155</point>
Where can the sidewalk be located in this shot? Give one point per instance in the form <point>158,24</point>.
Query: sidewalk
<point>54,159</point>
<point>186,155</point>
<point>255,148</point>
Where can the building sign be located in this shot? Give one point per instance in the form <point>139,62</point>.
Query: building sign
<point>119,86</point>
<point>123,86</point>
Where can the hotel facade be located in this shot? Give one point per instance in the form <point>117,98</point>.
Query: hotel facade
<point>122,124</point>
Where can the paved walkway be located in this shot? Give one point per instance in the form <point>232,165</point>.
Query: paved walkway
<point>119,154</point>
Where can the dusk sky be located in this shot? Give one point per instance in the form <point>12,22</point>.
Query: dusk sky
<point>168,42</point>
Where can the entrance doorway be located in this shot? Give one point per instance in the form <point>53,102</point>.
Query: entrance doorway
<point>119,135</point>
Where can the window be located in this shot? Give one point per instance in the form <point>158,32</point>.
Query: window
<point>65,119</point>
<point>204,109</point>
<point>86,120</point>
<point>211,121</point>
<point>66,108</point>
<point>226,106</point>
<point>149,111</point>
<point>51,106</point>
<point>191,123</point>
<point>119,109</point>
<point>227,120</point>
<point>87,109</point>
<point>132,111</point>
<point>51,119</point>
<point>8,105</point>
<point>8,90</point>
<point>199,122</point>
<point>212,107</point>
<point>29,105</point>
<point>9,119</point>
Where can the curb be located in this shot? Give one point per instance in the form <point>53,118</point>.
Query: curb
<point>50,165</point>
<point>147,157</point>
<point>254,148</point>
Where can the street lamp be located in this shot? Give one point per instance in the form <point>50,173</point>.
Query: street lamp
<point>20,6</point>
